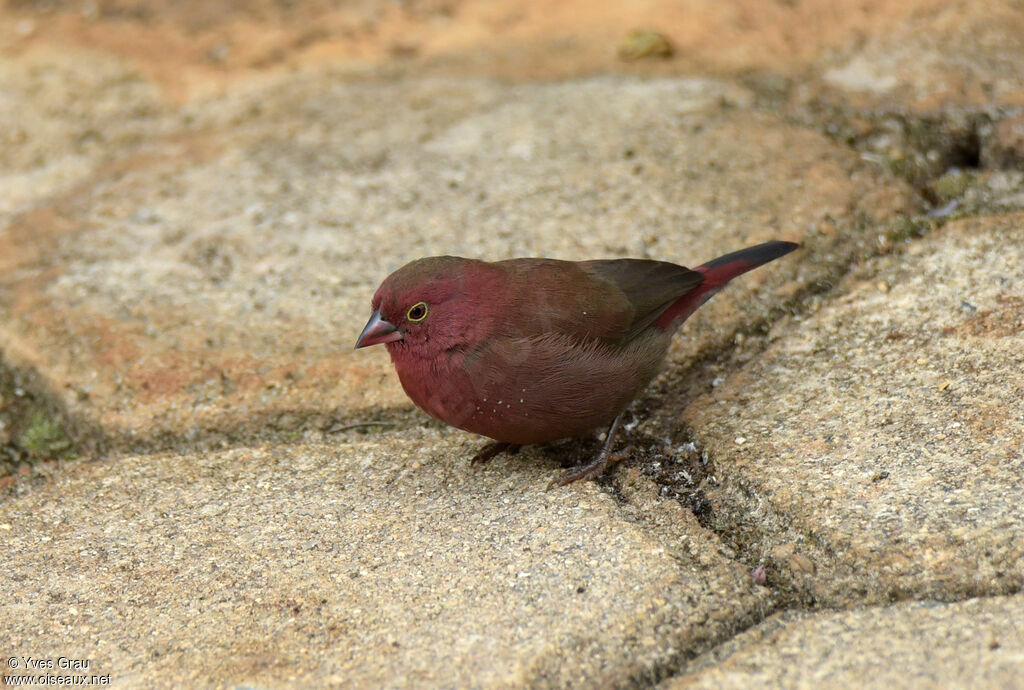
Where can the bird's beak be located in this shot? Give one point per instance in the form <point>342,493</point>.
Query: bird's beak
<point>377,330</point>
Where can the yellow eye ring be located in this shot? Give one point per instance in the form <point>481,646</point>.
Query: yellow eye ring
<point>417,312</point>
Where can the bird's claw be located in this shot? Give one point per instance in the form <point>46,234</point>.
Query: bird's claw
<point>492,449</point>
<point>592,470</point>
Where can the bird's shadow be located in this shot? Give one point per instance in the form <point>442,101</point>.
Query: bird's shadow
<point>565,453</point>
<point>679,469</point>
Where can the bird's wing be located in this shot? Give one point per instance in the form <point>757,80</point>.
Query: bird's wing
<point>611,300</point>
<point>649,286</point>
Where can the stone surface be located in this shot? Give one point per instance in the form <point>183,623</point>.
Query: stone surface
<point>937,54</point>
<point>65,116</point>
<point>977,643</point>
<point>925,52</point>
<point>217,282</point>
<point>884,434</point>
<point>198,198</point>
<point>378,562</point>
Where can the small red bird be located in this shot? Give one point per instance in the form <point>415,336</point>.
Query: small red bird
<point>533,350</point>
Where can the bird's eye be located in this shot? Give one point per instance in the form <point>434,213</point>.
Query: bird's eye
<point>417,312</point>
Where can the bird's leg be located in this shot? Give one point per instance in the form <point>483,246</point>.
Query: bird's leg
<point>492,449</point>
<point>598,465</point>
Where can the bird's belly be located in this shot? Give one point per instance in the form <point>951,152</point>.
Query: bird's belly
<point>505,410</point>
<point>532,393</point>
<point>521,422</point>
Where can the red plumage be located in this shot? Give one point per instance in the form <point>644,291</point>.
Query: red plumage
<point>533,350</point>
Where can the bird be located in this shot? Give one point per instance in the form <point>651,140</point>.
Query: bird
<point>533,350</point>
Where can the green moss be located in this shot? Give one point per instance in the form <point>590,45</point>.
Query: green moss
<point>904,228</point>
<point>952,185</point>
<point>897,162</point>
<point>44,437</point>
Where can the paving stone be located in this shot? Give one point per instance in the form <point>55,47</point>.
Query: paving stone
<point>219,285</point>
<point>65,117</point>
<point>938,54</point>
<point>925,52</point>
<point>377,562</point>
<point>884,435</point>
<point>977,643</point>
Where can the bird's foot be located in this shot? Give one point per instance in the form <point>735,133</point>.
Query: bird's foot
<point>592,470</point>
<point>492,449</point>
<point>599,464</point>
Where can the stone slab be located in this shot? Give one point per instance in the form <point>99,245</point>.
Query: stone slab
<point>925,52</point>
<point>884,434</point>
<point>216,285</point>
<point>377,563</point>
<point>938,54</point>
<point>66,116</point>
<point>976,643</point>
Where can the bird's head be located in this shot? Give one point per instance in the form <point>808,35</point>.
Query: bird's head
<point>431,305</point>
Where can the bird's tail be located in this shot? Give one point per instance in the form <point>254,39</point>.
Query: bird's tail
<point>717,273</point>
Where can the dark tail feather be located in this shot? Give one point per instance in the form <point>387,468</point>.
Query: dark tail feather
<point>717,273</point>
<point>732,265</point>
